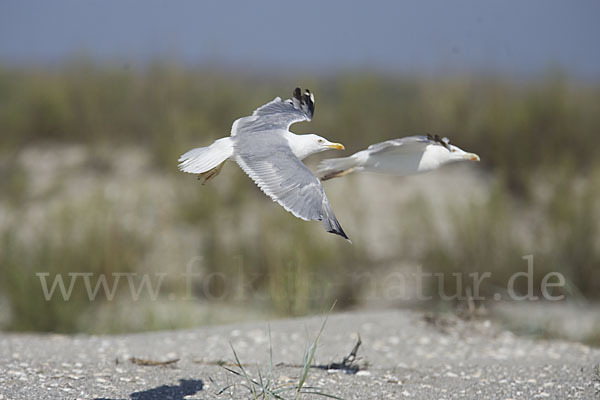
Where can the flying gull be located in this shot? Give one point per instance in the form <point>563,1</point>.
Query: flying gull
<point>263,146</point>
<point>404,156</point>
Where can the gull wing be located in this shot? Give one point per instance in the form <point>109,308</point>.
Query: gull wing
<point>277,114</point>
<point>270,163</point>
<point>397,145</point>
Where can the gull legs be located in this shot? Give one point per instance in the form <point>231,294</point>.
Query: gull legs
<point>337,174</point>
<point>211,173</point>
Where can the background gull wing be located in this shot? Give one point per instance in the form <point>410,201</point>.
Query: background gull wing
<point>277,114</point>
<point>406,143</point>
<point>270,163</point>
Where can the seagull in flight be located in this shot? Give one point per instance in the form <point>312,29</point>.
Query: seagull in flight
<point>262,145</point>
<point>404,156</point>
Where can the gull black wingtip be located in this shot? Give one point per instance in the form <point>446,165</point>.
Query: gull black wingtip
<point>304,102</point>
<point>339,231</point>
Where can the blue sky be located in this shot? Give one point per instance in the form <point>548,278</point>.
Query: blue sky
<point>514,37</point>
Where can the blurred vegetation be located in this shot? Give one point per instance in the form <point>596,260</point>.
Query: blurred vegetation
<point>560,229</point>
<point>294,264</point>
<point>518,127</point>
<point>538,141</point>
<point>88,239</point>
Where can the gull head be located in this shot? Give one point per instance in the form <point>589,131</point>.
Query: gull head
<point>458,154</point>
<point>444,152</point>
<point>305,145</point>
<point>441,153</point>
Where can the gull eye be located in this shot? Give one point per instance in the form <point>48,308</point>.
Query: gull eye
<point>320,140</point>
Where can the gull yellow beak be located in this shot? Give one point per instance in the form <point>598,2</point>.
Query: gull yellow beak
<point>472,157</point>
<point>336,146</point>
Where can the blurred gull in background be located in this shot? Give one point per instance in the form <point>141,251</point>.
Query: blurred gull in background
<point>404,156</point>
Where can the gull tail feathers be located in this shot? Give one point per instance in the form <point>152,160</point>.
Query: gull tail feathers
<point>336,167</point>
<point>204,159</point>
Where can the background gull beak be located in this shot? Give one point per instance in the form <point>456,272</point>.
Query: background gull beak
<point>472,157</point>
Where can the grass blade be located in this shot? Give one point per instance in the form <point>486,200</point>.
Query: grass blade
<point>310,354</point>
<point>241,367</point>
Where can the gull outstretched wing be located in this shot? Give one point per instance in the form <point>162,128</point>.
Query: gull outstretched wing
<point>269,161</point>
<point>277,114</point>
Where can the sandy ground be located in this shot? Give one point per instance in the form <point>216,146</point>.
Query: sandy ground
<point>404,354</point>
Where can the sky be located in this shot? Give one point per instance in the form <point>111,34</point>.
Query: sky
<point>513,37</point>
